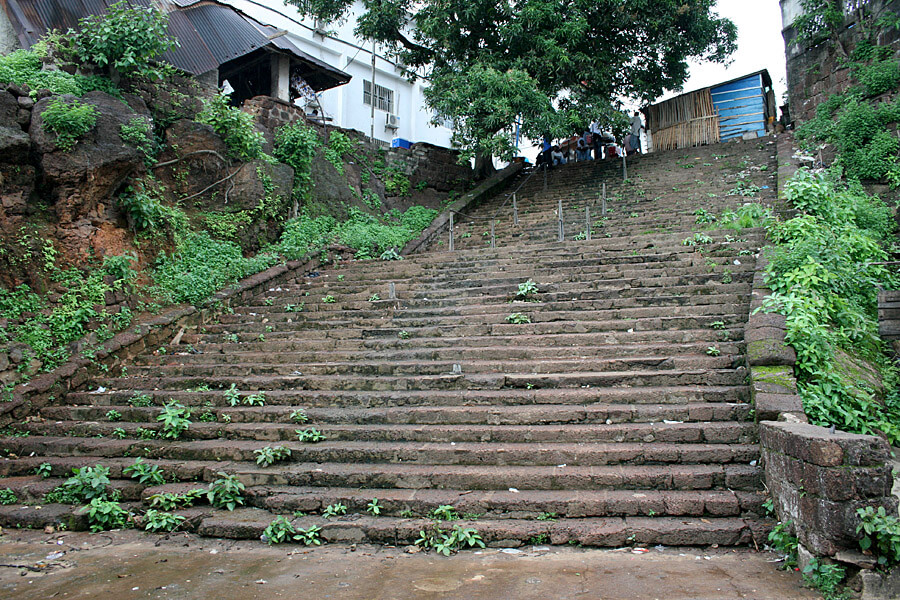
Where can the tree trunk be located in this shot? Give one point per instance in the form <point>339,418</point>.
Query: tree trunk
<point>484,166</point>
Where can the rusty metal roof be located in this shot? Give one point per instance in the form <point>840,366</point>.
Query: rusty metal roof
<point>209,33</point>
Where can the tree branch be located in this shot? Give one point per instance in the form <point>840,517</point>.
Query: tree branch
<point>214,184</point>
<point>181,158</point>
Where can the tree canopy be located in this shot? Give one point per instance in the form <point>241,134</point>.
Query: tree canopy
<point>554,64</point>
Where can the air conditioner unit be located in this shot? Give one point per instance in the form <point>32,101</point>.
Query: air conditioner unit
<point>391,122</point>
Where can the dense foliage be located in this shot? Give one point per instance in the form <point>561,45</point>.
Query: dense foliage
<point>23,67</point>
<point>296,145</point>
<point>234,126</point>
<point>557,63</point>
<point>825,275</point>
<point>127,38</point>
<point>69,120</point>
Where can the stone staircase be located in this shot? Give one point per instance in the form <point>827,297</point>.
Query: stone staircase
<point>618,415</point>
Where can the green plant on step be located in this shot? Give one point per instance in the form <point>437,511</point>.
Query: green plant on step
<point>526,291</point>
<point>146,474</point>
<point>334,510</point>
<point>698,240</point>
<point>373,508</point>
<point>539,539</point>
<point>340,277</point>
<point>518,319</point>
<point>310,435</point>
<point>447,542</point>
<point>113,415</point>
<point>103,515</point>
<point>374,298</point>
<point>226,492</point>
<point>719,325</point>
<point>547,516</point>
<point>280,531</point>
<point>785,543</point>
<point>258,399</point>
<point>329,299</point>
<point>171,501</point>
<point>713,351</point>
<point>140,400</point>
<point>232,338</point>
<point>7,496</point>
<point>391,254</point>
<point>299,416</point>
<point>233,395</point>
<point>825,577</point>
<point>294,307</point>
<point>444,512</point>
<point>406,513</point>
<point>43,470</point>
<point>269,455</point>
<point>86,484</point>
<point>403,335</point>
<point>175,419</point>
<point>156,521</point>
<point>311,536</point>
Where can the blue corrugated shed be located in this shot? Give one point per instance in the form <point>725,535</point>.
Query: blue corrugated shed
<point>741,106</point>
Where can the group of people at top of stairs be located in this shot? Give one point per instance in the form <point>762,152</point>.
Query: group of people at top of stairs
<point>595,140</point>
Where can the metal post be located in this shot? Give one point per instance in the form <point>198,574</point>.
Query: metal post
<point>392,291</point>
<point>624,168</point>
<point>516,210</point>
<point>492,233</point>
<point>545,177</point>
<point>587,222</point>
<point>451,232</point>
<point>562,235</point>
<point>603,206</point>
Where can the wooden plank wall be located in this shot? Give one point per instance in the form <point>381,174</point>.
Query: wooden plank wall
<point>889,315</point>
<point>687,121</point>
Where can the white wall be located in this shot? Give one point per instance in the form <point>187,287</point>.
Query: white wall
<point>341,49</point>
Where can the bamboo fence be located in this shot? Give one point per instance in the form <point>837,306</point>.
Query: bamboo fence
<point>687,121</point>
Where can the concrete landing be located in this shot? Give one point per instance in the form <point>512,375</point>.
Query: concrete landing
<point>129,564</point>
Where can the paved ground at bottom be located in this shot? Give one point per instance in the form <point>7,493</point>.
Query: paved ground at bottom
<point>130,564</point>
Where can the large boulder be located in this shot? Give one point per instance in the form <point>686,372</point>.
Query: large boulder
<point>9,107</point>
<point>14,144</point>
<point>81,179</point>
<point>261,192</point>
<point>204,161</point>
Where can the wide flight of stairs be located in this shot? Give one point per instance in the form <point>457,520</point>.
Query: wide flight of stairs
<point>618,415</point>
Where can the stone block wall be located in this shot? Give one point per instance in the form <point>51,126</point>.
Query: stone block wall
<point>817,71</point>
<point>819,478</point>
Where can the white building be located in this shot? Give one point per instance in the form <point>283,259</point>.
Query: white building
<point>399,110</point>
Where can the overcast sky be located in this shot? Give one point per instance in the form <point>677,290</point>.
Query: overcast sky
<point>760,46</point>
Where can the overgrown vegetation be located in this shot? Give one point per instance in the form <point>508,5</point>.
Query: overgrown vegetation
<point>69,120</point>
<point>825,273</point>
<point>234,126</point>
<point>24,67</point>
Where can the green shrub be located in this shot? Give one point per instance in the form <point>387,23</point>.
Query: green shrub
<point>226,492</point>
<point>339,145</point>
<point>69,120</point>
<point>126,38</point>
<point>24,67</point>
<point>296,145</point>
<point>7,496</point>
<point>880,534</point>
<point>878,77</point>
<point>155,520</point>
<point>175,420</point>
<point>103,515</point>
<point>234,126</point>
<point>139,133</point>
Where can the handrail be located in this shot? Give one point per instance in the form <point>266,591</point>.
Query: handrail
<point>496,212</point>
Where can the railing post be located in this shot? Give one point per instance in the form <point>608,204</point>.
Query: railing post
<point>515,211</point>
<point>392,291</point>
<point>587,222</point>
<point>451,232</point>
<point>603,206</point>
<point>562,235</point>
<point>492,233</point>
<point>545,177</point>
<point>624,168</point>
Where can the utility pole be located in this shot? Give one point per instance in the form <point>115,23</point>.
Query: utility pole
<point>372,97</point>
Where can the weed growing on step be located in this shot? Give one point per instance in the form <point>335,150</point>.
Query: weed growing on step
<point>447,542</point>
<point>140,400</point>
<point>175,419</point>
<point>826,578</point>
<point>156,521</point>
<point>207,416</point>
<point>299,307</point>
<point>390,254</point>
<point>539,539</point>
<point>527,291</point>
<point>310,436</point>
<point>85,484</point>
<point>374,298</point>
<point>785,543</point>
<point>279,531</point>
<point>744,188</point>
<point>334,510</point>
<point>699,239</point>
<point>444,512</point>
<point>270,455</point>
<point>113,415</point>
<point>7,496</point>
<point>547,516</point>
<point>233,395</point>
<point>880,535</point>
<point>103,515</point>
<point>231,338</point>
<point>713,351</point>
<point>518,319</point>
<point>403,335</point>
<point>406,513</point>
<point>373,508</point>
<point>226,492</point>
<point>43,470</point>
<point>727,276</point>
<point>146,434</point>
<point>299,416</point>
<point>747,216</point>
<point>258,399</point>
<point>171,501</point>
<point>146,474</point>
<point>329,299</point>
<point>203,387</point>
<point>719,325</point>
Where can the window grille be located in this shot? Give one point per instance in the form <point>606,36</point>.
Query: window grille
<point>384,97</point>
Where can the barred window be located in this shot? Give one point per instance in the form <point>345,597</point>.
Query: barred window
<point>384,97</point>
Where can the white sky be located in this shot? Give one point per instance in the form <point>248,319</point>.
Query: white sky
<point>760,46</point>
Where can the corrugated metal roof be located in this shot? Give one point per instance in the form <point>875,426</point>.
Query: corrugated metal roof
<point>209,33</point>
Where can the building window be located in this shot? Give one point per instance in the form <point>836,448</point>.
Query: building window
<point>384,97</point>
